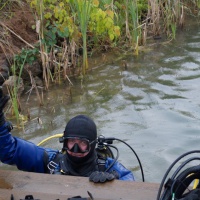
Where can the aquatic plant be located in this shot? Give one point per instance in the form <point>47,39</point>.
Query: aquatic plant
<point>14,89</point>
<point>83,9</point>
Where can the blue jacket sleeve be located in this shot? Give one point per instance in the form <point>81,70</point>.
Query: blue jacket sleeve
<point>25,155</point>
<point>124,174</point>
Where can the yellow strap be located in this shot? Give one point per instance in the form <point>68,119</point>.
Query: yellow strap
<point>196,182</point>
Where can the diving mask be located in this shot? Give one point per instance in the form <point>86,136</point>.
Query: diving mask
<point>77,145</point>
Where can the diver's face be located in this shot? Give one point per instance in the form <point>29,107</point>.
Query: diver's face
<point>77,147</point>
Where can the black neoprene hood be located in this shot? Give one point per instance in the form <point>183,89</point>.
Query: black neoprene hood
<point>81,126</point>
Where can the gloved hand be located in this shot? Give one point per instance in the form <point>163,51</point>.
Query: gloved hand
<point>3,101</point>
<point>101,177</point>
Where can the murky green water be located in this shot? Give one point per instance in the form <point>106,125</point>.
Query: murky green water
<point>154,105</point>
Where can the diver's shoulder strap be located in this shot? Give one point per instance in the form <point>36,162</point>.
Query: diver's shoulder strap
<point>101,164</point>
<point>51,162</point>
<point>103,154</point>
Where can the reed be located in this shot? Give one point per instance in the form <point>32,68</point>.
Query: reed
<point>83,8</point>
<point>43,46</point>
<point>132,6</point>
<point>166,16</point>
<point>34,86</point>
<point>133,9</point>
<point>154,16</point>
<point>14,92</point>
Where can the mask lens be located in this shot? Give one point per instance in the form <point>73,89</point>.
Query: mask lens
<point>82,144</point>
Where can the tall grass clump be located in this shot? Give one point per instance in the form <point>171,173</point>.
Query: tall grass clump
<point>172,17</point>
<point>40,28</point>
<point>83,9</point>
<point>166,16</point>
<point>133,9</point>
<point>14,91</point>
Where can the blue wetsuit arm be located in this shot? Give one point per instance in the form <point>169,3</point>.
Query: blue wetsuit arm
<point>16,151</point>
<point>124,174</point>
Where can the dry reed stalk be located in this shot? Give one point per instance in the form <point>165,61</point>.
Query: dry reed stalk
<point>34,86</point>
<point>75,60</point>
<point>73,52</point>
<point>155,16</point>
<point>44,59</point>
<point>42,53</point>
<point>57,68</point>
<point>65,58</point>
<point>62,63</point>
<point>180,11</point>
<point>137,46</point>
<point>128,35</point>
<point>64,51</point>
<point>144,34</point>
<point>181,22</point>
<point>43,49</point>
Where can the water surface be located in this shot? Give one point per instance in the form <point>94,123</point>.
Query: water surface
<point>153,105</point>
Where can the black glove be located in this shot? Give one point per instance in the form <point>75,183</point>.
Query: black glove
<point>101,177</point>
<point>3,101</point>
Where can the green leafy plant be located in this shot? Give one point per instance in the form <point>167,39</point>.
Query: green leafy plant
<point>102,24</point>
<point>74,19</point>
<point>26,56</point>
<point>52,34</point>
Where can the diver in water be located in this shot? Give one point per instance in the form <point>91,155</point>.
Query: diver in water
<point>78,158</point>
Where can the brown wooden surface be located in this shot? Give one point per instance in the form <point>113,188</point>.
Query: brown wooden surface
<point>53,187</point>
